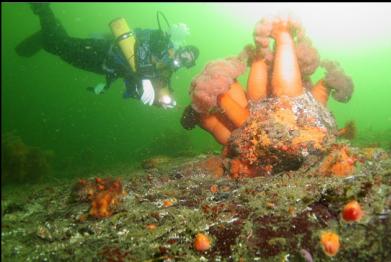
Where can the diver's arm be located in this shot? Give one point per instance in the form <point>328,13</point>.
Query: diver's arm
<point>140,88</point>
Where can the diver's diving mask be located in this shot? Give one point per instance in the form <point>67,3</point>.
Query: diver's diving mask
<point>185,57</point>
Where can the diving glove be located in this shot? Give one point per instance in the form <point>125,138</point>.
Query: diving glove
<point>148,95</point>
<point>98,89</point>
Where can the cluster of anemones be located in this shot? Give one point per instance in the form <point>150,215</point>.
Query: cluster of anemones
<point>339,161</point>
<point>282,117</point>
<point>330,241</point>
<point>103,194</point>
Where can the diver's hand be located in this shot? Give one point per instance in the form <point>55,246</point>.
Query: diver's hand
<point>98,89</point>
<point>148,95</point>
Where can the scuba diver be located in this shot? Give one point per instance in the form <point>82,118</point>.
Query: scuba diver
<point>144,58</point>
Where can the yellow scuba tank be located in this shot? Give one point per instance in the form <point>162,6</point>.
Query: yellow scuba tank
<point>125,39</point>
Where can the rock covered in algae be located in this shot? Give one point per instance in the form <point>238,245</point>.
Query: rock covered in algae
<point>283,133</point>
<point>271,218</point>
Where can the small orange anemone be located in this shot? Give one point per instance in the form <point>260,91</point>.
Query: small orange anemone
<point>202,242</point>
<point>151,227</point>
<point>240,169</point>
<point>101,205</point>
<point>213,165</point>
<point>169,202</point>
<point>99,180</point>
<point>345,164</point>
<point>330,243</point>
<point>340,162</point>
<point>352,211</point>
<point>214,188</point>
<point>104,201</point>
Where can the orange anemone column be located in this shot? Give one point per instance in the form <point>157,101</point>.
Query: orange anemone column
<point>286,77</point>
<point>213,125</point>
<point>233,110</point>
<point>237,93</point>
<point>320,92</point>
<point>257,81</point>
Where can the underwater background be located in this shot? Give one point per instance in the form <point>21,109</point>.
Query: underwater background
<point>90,177</point>
<point>45,102</point>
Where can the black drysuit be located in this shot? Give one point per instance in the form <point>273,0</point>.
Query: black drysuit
<point>103,56</point>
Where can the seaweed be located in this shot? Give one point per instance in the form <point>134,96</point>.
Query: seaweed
<point>22,163</point>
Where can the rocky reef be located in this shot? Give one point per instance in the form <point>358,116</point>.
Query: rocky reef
<point>164,207</point>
